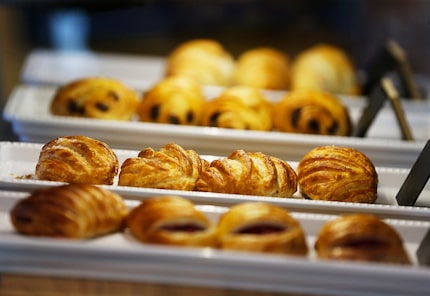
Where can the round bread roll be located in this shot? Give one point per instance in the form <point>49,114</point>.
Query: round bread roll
<point>335,173</point>
<point>95,97</point>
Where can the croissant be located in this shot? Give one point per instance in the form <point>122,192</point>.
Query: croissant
<point>360,237</point>
<point>311,112</point>
<point>261,227</point>
<point>172,167</point>
<point>95,97</point>
<point>171,220</point>
<point>77,159</point>
<point>337,174</point>
<point>69,211</point>
<point>252,173</point>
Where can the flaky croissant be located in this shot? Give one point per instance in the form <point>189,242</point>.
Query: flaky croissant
<point>69,211</point>
<point>252,173</point>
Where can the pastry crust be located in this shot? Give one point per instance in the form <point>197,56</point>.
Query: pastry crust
<point>171,220</point>
<point>172,167</point>
<point>311,112</point>
<point>337,174</point>
<point>95,97</point>
<point>252,173</point>
<point>261,227</point>
<point>77,159</point>
<point>360,237</point>
<point>71,211</point>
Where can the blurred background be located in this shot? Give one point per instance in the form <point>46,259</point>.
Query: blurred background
<point>154,27</point>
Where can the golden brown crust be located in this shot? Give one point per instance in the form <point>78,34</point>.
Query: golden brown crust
<point>171,220</point>
<point>77,159</point>
<point>337,174</point>
<point>172,167</point>
<point>261,227</point>
<point>311,112</point>
<point>360,237</point>
<point>252,173</point>
<point>95,97</point>
<point>70,211</point>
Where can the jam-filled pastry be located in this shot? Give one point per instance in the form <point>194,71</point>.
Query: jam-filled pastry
<point>239,107</point>
<point>360,237</point>
<point>70,211</point>
<point>205,60</point>
<point>252,173</point>
<point>261,227</point>
<point>171,220</point>
<point>336,173</point>
<point>77,159</point>
<point>173,100</point>
<point>95,97</point>
<point>325,67</point>
<point>311,112</point>
<point>171,167</point>
<point>263,67</point>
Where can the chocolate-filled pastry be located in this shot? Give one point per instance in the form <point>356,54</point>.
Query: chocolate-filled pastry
<point>311,112</point>
<point>171,167</point>
<point>336,173</point>
<point>171,220</point>
<point>325,67</point>
<point>360,237</point>
<point>252,173</point>
<point>239,107</point>
<point>261,227</point>
<point>204,60</point>
<point>263,67</point>
<point>173,100</point>
<point>77,159</point>
<point>95,97</point>
<point>70,211</point>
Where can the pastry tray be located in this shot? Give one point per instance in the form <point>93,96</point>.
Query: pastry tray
<point>121,257</point>
<point>18,161</point>
<point>28,111</point>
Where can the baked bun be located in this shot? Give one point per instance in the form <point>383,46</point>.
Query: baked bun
<point>239,107</point>
<point>263,67</point>
<point>204,60</point>
<point>337,174</point>
<point>261,227</point>
<point>69,211</point>
<point>325,67</point>
<point>171,167</point>
<point>95,97</point>
<point>252,173</point>
<point>174,100</point>
<point>360,237</point>
<point>77,159</point>
<point>170,220</point>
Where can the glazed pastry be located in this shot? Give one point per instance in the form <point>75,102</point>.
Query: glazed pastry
<point>263,67</point>
<point>77,159</point>
<point>311,112</point>
<point>239,107</point>
<point>172,167</point>
<point>69,211</point>
<point>261,227</point>
<point>95,97</point>
<point>173,100</point>
<point>325,67</point>
<point>171,220</point>
<point>204,60</point>
<point>360,237</point>
<point>252,173</point>
<point>337,174</point>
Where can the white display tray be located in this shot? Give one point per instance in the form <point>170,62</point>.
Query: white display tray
<point>28,111</point>
<point>18,162</point>
<point>120,256</point>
